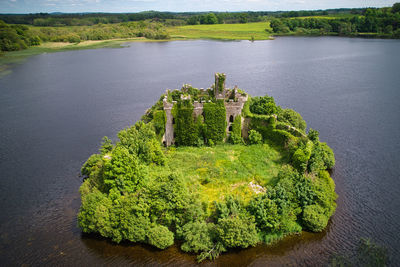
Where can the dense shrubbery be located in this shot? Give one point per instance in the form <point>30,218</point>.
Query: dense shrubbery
<point>16,37</point>
<point>384,21</point>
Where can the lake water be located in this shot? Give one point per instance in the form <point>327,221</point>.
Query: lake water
<point>55,108</point>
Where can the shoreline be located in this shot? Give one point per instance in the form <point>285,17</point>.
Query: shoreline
<point>8,59</point>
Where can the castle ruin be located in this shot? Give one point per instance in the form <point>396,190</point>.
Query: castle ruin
<point>233,102</point>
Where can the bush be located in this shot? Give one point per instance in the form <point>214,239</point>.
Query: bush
<point>197,237</point>
<point>254,137</point>
<point>293,118</point>
<point>237,232</point>
<point>314,218</point>
<point>160,237</point>
<point>263,105</point>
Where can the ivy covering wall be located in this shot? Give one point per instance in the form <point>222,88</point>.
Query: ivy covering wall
<point>159,119</point>
<point>220,81</point>
<point>185,127</point>
<point>214,121</point>
<point>236,134</point>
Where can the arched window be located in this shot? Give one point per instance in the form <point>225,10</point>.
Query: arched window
<point>230,128</point>
<point>231,118</point>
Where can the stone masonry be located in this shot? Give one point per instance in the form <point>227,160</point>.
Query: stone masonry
<point>234,102</point>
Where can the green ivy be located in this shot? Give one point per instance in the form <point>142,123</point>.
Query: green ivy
<point>185,128</point>
<point>215,121</point>
<point>236,134</point>
<point>221,80</point>
<point>159,119</point>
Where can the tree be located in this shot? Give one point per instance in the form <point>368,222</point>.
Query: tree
<point>314,218</point>
<point>160,237</point>
<point>106,145</point>
<point>396,8</point>
<point>237,232</point>
<point>255,137</point>
<point>263,105</point>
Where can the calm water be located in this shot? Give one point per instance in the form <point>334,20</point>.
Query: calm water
<point>55,108</point>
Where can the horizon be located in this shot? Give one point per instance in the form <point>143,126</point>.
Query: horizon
<point>178,6</point>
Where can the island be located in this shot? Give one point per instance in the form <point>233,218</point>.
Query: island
<point>210,170</point>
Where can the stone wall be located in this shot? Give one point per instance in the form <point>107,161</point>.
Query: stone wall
<point>233,108</point>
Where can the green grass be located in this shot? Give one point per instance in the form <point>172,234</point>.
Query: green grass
<point>222,31</point>
<point>215,172</point>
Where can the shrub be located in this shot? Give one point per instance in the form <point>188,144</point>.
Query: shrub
<point>314,218</point>
<point>293,118</point>
<point>160,237</point>
<point>159,119</point>
<point>237,232</point>
<point>255,137</point>
<point>197,237</point>
<point>263,105</point>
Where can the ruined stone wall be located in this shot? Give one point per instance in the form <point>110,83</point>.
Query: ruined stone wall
<point>233,108</point>
<point>168,138</point>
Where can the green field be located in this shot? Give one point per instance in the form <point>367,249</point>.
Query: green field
<point>215,172</point>
<point>222,31</point>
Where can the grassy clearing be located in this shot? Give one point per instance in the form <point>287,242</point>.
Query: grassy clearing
<point>222,31</point>
<point>215,172</point>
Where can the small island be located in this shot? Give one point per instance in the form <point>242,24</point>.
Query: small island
<point>210,169</point>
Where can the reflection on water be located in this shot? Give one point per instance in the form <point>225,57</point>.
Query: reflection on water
<point>55,108</point>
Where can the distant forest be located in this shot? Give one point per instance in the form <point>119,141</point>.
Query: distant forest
<point>191,18</point>
<point>20,31</point>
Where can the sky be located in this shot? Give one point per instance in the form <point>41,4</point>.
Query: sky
<point>71,6</point>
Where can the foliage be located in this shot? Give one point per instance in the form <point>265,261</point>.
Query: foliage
<point>141,141</point>
<point>209,18</point>
<point>293,118</point>
<point>235,231</point>
<point>106,145</point>
<point>209,198</point>
<point>198,237</point>
<point>255,137</point>
<point>91,163</point>
<point>314,218</point>
<point>159,236</point>
<point>16,37</point>
<point>263,105</point>
<point>215,121</point>
<point>302,155</point>
<point>185,128</point>
<point>381,22</point>
<point>236,134</point>
<point>124,171</point>
<point>159,120</point>
<point>220,82</point>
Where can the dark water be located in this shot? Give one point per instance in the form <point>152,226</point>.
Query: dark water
<point>55,108</point>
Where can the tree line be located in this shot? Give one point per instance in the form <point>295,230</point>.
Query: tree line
<point>383,22</point>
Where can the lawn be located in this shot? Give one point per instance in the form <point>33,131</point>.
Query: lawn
<point>215,172</point>
<point>222,31</point>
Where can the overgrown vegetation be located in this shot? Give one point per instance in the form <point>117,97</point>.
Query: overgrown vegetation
<point>209,195</point>
<point>382,22</point>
